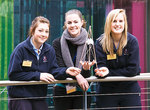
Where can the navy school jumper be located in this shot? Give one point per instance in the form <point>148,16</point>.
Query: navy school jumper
<point>17,72</point>
<point>128,64</point>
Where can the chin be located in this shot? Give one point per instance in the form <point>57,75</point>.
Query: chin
<point>41,42</point>
<point>120,32</point>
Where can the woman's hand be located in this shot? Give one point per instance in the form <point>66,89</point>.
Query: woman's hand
<point>87,65</point>
<point>83,83</point>
<point>73,71</point>
<point>47,77</point>
<point>103,71</point>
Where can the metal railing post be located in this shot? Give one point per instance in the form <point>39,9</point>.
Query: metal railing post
<point>85,101</point>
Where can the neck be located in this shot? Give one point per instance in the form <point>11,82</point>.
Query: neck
<point>116,37</point>
<point>37,46</point>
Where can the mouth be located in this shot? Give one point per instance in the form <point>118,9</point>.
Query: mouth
<point>43,37</point>
<point>73,30</point>
<point>118,29</point>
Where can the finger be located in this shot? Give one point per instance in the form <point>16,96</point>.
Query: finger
<point>96,70</point>
<point>50,80</point>
<point>85,63</point>
<point>51,77</point>
<point>86,87</point>
<point>75,73</point>
<point>83,88</point>
<point>78,71</point>
<point>45,80</point>
<point>81,62</point>
<point>93,62</point>
<point>98,73</point>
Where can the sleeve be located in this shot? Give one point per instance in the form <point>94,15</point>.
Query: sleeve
<point>57,48</point>
<point>100,55</point>
<point>59,73</point>
<point>133,62</point>
<point>86,73</point>
<point>59,59</point>
<point>15,70</point>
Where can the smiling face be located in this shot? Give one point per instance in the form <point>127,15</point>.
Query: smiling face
<point>117,25</point>
<point>73,23</point>
<point>40,35</point>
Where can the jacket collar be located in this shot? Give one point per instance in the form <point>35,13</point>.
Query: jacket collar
<point>29,46</point>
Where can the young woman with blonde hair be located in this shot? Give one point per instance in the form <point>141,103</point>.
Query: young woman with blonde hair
<point>117,54</point>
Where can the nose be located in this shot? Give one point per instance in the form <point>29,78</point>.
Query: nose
<point>44,34</point>
<point>72,24</point>
<point>117,23</point>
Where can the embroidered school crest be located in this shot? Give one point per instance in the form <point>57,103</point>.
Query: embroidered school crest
<point>126,52</point>
<point>44,59</point>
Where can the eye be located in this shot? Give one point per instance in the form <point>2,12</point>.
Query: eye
<point>47,31</point>
<point>120,20</point>
<point>40,30</point>
<point>114,21</point>
<point>69,22</point>
<point>75,21</point>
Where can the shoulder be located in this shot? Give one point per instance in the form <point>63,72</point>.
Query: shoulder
<point>21,46</point>
<point>99,39</point>
<point>131,38</point>
<point>20,49</point>
<point>56,41</point>
<point>48,47</point>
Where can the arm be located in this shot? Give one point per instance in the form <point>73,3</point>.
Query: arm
<point>133,66</point>
<point>61,73</point>
<point>59,59</point>
<point>83,83</point>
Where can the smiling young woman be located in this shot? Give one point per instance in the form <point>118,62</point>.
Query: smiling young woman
<point>117,53</point>
<point>34,60</point>
<point>69,48</point>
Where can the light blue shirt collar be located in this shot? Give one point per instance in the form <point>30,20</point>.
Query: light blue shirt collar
<point>37,51</point>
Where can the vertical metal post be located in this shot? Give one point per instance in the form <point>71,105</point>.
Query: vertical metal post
<point>85,101</point>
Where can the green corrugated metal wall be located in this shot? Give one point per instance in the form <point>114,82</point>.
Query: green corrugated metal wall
<point>6,45</point>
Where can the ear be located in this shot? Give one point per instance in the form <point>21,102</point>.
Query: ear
<point>82,22</point>
<point>64,27</point>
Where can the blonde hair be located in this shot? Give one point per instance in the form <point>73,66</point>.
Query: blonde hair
<point>107,41</point>
<point>75,11</point>
<point>35,23</point>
